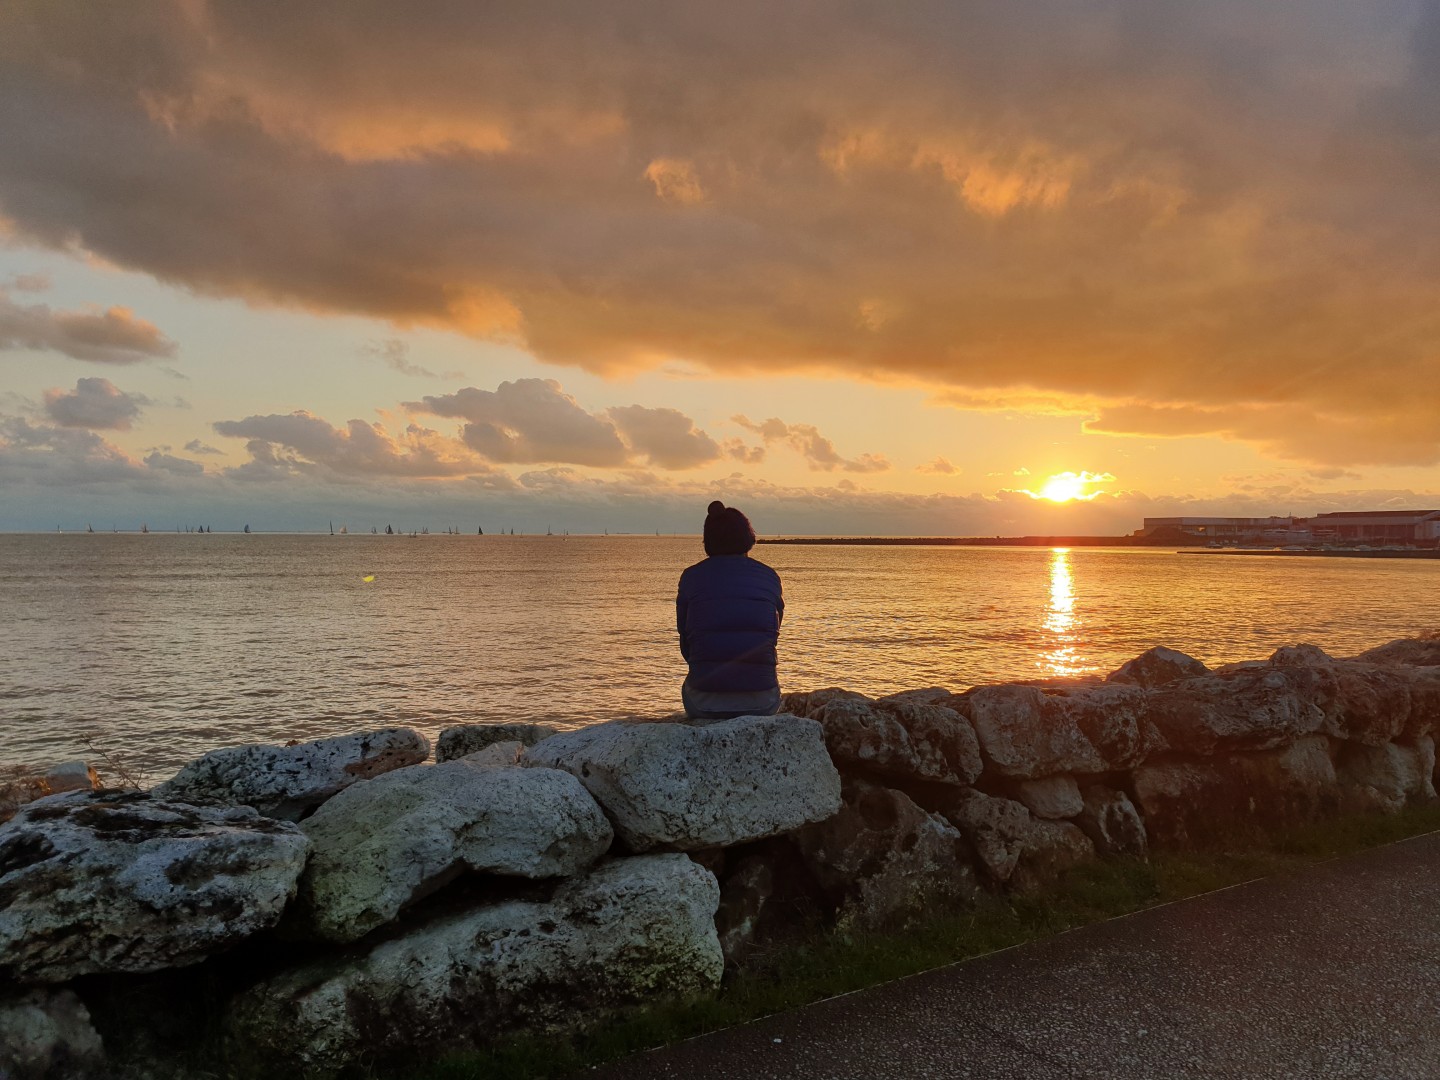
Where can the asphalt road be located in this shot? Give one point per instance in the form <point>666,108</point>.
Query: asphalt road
<point>1333,971</point>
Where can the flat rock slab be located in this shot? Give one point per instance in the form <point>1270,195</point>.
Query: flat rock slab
<point>634,930</point>
<point>381,845</point>
<point>1330,972</point>
<point>124,882</point>
<point>289,781</point>
<point>688,787</point>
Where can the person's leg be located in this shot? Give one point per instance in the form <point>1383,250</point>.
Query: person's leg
<point>726,705</point>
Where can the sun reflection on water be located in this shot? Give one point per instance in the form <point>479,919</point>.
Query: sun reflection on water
<point>1062,652</point>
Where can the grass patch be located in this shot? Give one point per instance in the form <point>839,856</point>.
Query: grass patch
<point>828,964</point>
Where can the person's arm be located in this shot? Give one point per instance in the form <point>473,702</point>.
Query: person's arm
<point>682,607</point>
<point>779,603</point>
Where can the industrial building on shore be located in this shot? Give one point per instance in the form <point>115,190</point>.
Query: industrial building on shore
<point>1373,528</point>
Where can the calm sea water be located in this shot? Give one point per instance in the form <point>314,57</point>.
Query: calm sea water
<point>161,647</point>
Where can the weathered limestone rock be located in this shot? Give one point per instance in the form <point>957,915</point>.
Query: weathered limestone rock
<point>996,828</point>
<point>1361,702</point>
<point>1292,785</point>
<point>1179,798</point>
<point>744,895</point>
<point>810,702</point>
<point>288,781</point>
<point>1423,649</point>
<point>884,862</point>
<point>1054,797</point>
<point>685,787</point>
<point>466,739</point>
<point>1029,732</point>
<point>381,845</point>
<point>125,882</point>
<point>1424,701</point>
<point>19,786</point>
<point>1425,749</point>
<point>1156,667</point>
<point>900,738</point>
<point>71,776</point>
<point>46,1035</point>
<point>1385,778</point>
<point>1302,655</point>
<point>504,755</point>
<point>1246,709</point>
<point>1048,850</point>
<point>926,695</point>
<point>1021,735</point>
<point>1186,803</point>
<point>632,931</point>
<point>1112,823</point>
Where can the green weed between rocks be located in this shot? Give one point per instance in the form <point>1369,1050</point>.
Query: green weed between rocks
<point>828,964</point>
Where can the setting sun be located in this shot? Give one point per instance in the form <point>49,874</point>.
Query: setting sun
<point>1063,487</point>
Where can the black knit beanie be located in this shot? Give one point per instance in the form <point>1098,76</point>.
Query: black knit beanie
<point>727,531</point>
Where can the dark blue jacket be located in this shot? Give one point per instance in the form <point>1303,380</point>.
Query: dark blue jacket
<point>728,612</point>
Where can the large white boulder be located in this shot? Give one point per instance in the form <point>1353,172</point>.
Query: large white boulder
<point>689,787</point>
<point>381,845</point>
<point>634,930</point>
<point>124,882</point>
<point>288,781</point>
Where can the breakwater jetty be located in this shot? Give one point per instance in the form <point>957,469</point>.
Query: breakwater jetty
<point>349,904</point>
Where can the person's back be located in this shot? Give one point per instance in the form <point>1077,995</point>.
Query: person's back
<point>728,611</point>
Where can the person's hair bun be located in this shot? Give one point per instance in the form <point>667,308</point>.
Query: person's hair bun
<point>716,507</point>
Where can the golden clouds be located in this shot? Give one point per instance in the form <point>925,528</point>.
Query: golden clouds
<point>675,181</point>
<point>1069,207</point>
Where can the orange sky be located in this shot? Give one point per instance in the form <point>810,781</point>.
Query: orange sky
<point>862,269</point>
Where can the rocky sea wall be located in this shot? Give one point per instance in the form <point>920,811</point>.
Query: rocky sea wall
<point>349,904</point>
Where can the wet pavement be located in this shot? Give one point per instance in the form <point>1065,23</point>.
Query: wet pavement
<point>1333,971</point>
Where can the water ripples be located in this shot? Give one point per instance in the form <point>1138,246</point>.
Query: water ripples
<point>161,647</point>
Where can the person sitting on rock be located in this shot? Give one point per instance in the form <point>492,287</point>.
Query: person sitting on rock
<point>728,611</point>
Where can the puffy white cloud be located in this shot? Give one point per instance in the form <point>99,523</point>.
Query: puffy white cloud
<point>95,403</point>
<point>158,459</point>
<point>113,336</point>
<point>307,443</point>
<point>666,438</point>
<point>818,451</point>
<point>528,421</point>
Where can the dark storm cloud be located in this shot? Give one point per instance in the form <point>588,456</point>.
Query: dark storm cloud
<point>1146,205</point>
